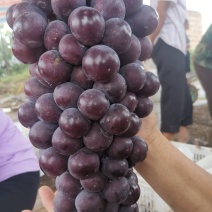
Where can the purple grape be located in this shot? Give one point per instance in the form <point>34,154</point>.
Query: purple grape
<point>87,25</point>
<point>111,207</point>
<point>117,119</point>
<point>9,15</point>
<point>41,133</point>
<point>115,89</point>
<point>26,7</point>
<point>129,172</point>
<point>144,107</point>
<point>139,150</point>
<point>46,108</point>
<point>93,104</point>
<point>114,168</point>
<point>116,191</point>
<point>63,8</point>
<point>73,123</point>
<point>97,139</point>
<point>83,164</point>
<point>132,53</point>
<point>131,208</point>
<point>135,126</point>
<point>131,176</point>
<point>33,89</point>
<point>132,6</point>
<point>90,202</point>
<point>117,35</point>
<point>134,75</point>
<point>133,195</point>
<point>68,185</point>
<point>55,30</point>
<point>64,144</point>
<point>71,49</point>
<point>151,85</point>
<point>95,183</point>
<point>53,68</point>
<point>120,148</point>
<point>25,54</point>
<point>144,21</point>
<point>45,5</point>
<point>52,163</point>
<point>29,29</point>
<point>110,8</point>
<point>146,48</point>
<point>100,63</point>
<point>66,95</point>
<point>27,115</point>
<point>130,101</point>
<point>64,203</point>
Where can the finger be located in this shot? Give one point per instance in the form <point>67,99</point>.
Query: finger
<point>47,197</point>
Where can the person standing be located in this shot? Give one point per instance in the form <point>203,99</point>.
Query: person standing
<point>202,60</point>
<point>169,55</point>
<point>19,169</point>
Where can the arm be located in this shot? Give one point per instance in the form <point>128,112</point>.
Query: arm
<point>161,9</point>
<point>181,183</point>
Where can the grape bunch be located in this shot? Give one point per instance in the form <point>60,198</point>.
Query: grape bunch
<point>86,95</point>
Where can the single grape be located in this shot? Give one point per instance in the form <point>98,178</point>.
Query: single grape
<point>29,29</point>
<point>89,202</point>
<point>144,21</point>
<point>117,119</point>
<point>120,148</point>
<point>95,183</point>
<point>100,63</point>
<point>27,115</point>
<point>71,49</point>
<point>97,139</point>
<point>139,151</point>
<point>78,77</point>
<point>63,203</point>
<point>135,126</point>
<point>55,30</point>
<point>130,101</point>
<point>115,89</point>
<point>46,108</point>
<point>134,75</point>
<point>87,25</point>
<point>63,8</point>
<point>132,6</point>
<point>68,185</point>
<point>41,133</point>
<point>116,191</point>
<point>132,53</point>
<point>93,104</point>
<point>52,163</point>
<point>144,107</point>
<point>9,15</point>
<point>114,168</point>
<point>83,164</point>
<point>73,123</point>
<point>53,68</point>
<point>151,85</point>
<point>146,48</point>
<point>110,8</point>
<point>66,95</point>
<point>117,35</point>
<point>64,144</point>
<point>25,54</point>
<point>131,176</point>
<point>33,89</point>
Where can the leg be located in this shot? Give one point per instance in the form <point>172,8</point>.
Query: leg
<point>19,192</point>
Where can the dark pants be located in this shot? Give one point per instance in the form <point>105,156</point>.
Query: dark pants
<point>176,102</point>
<point>205,77</point>
<point>19,192</point>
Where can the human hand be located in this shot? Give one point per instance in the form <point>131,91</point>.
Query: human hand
<point>47,198</point>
